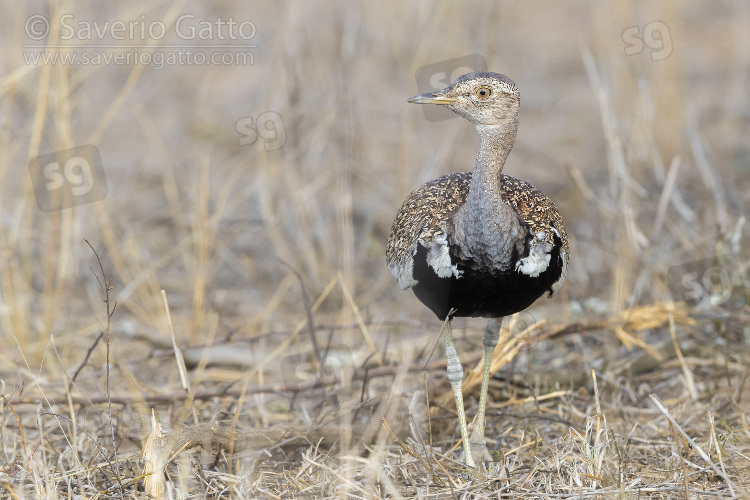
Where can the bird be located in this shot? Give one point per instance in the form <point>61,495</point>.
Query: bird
<point>479,243</point>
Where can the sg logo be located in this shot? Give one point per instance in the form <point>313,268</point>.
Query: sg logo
<point>523,326</point>
<point>270,128</point>
<point>437,76</point>
<point>705,284</point>
<point>68,177</point>
<point>655,36</point>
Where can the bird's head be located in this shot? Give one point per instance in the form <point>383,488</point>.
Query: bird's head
<point>482,98</point>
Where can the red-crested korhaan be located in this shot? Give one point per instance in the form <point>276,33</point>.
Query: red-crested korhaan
<point>480,243</point>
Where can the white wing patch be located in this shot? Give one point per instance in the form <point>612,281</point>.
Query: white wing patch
<point>438,258</point>
<point>538,259</point>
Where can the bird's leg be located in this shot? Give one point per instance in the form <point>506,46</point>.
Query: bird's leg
<point>456,376</point>
<point>489,340</point>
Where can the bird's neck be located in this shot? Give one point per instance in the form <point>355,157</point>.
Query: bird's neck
<point>495,143</point>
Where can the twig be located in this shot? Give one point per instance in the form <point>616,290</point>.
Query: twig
<point>20,427</point>
<point>179,358</point>
<point>719,451</point>
<point>86,358</point>
<point>308,309</point>
<point>596,400</point>
<point>427,405</point>
<point>689,381</point>
<point>105,286</point>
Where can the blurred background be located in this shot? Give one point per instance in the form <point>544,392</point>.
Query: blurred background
<point>252,169</point>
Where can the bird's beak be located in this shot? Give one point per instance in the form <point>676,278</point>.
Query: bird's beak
<point>432,98</point>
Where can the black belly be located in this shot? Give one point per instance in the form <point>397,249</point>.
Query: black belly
<point>481,293</point>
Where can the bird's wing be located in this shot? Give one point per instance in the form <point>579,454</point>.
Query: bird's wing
<point>423,220</point>
<point>545,224</point>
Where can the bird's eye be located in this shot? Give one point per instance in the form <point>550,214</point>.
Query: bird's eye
<point>483,92</point>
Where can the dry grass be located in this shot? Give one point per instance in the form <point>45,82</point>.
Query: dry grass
<point>259,347</point>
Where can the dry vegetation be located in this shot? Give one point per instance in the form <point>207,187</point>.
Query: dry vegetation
<point>259,347</point>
